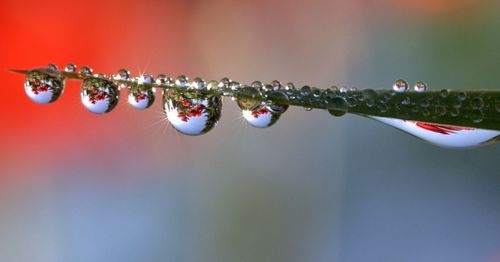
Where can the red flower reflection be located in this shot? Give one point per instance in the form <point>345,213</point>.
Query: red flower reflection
<point>196,111</point>
<point>261,111</point>
<point>441,129</point>
<point>38,87</point>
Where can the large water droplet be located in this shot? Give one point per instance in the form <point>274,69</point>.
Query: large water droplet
<point>191,112</point>
<point>248,98</point>
<point>400,86</point>
<point>443,135</point>
<point>43,86</point>
<point>141,97</point>
<point>99,95</point>
<point>277,102</point>
<point>260,117</point>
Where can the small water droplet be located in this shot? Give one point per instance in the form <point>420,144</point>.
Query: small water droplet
<point>141,97</point>
<point>461,96</point>
<point>224,83</point>
<point>257,84</point>
<point>337,106</point>
<point>182,81</point>
<point>440,110</point>
<point>400,86</point>
<point>476,116</point>
<point>454,112</point>
<point>145,80</point>
<point>190,112</point>
<point>123,74</point>
<point>406,101</point>
<point>43,87</point>
<point>52,67</point>
<point>213,85</point>
<point>248,98</point>
<point>425,103</point>
<point>99,95</point>
<point>70,68</point>
<point>305,90</point>
<point>164,80</point>
<point>276,85</point>
<point>267,88</point>
<point>476,103</point>
<point>444,93</point>
<point>290,86</point>
<point>383,108</point>
<point>198,83</point>
<point>420,87</point>
<point>85,71</point>
<point>277,102</point>
<point>316,92</point>
<point>370,102</point>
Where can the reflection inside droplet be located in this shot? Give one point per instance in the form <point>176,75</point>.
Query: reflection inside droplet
<point>260,117</point>
<point>443,135</point>
<point>141,97</point>
<point>44,85</point>
<point>99,95</point>
<point>192,112</point>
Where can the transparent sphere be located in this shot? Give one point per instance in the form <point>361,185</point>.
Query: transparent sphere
<point>99,95</point>
<point>85,71</point>
<point>248,97</point>
<point>400,86</point>
<point>420,87</point>
<point>43,87</point>
<point>70,68</point>
<point>162,79</point>
<point>260,117</point>
<point>277,102</point>
<point>141,98</point>
<point>190,112</point>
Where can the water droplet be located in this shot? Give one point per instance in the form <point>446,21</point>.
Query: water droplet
<point>420,87</point>
<point>305,90</point>
<point>425,103</point>
<point>406,101</point>
<point>182,81</point>
<point>461,96</point>
<point>99,95</point>
<point>440,110</point>
<point>70,68</point>
<point>370,102</point>
<point>190,112</point>
<point>145,80</point>
<point>164,80</point>
<point>444,93</point>
<point>52,67</point>
<point>316,92</point>
<point>277,102</point>
<point>234,85</point>
<point>43,87</point>
<point>85,71</point>
<point>454,112</point>
<point>257,84</point>
<point>213,85</point>
<point>476,116</point>
<point>337,106</point>
<point>308,109</point>
<point>141,97</point>
<point>400,86</point>
<point>290,86</point>
<point>476,103</point>
<point>198,84</point>
<point>383,108</point>
<point>443,135</point>
<point>260,117</point>
<point>276,85</point>
<point>248,98</point>
<point>123,74</point>
<point>224,83</point>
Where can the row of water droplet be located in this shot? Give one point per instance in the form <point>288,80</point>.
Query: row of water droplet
<point>194,107</point>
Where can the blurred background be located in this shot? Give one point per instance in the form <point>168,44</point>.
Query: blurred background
<point>126,186</point>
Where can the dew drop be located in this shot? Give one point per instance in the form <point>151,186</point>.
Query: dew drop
<point>370,102</point>
<point>277,102</point>
<point>190,112</point>
<point>164,80</point>
<point>308,109</point>
<point>400,86</point>
<point>290,86</point>
<point>198,83</point>
<point>383,108</point>
<point>276,85</point>
<point>70,68</point>
<point>145,80</point>
<point>406,101</point>
<point>85,71</point>
<point>420,87</point>
<point>182,81</point>
<point>461,96</point>
<point>260,117</point>
<point>224,83</point>
<point>444,93</point>
<point>213,85</point>
<point>454,112</point>
<point>316,92</point>
<point>123,74</point>
<point>43,87</point>
<point>52,67</point>
<point>257,84</point>
<point>476,116</point>
<point>440,110</point>
<point>248,97</point>
<point>305,90</point>
<point>141,97</point>
<point>476,103</point>
<point>99,95</point>
<point>234,85</point>
<point>337,106</point>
